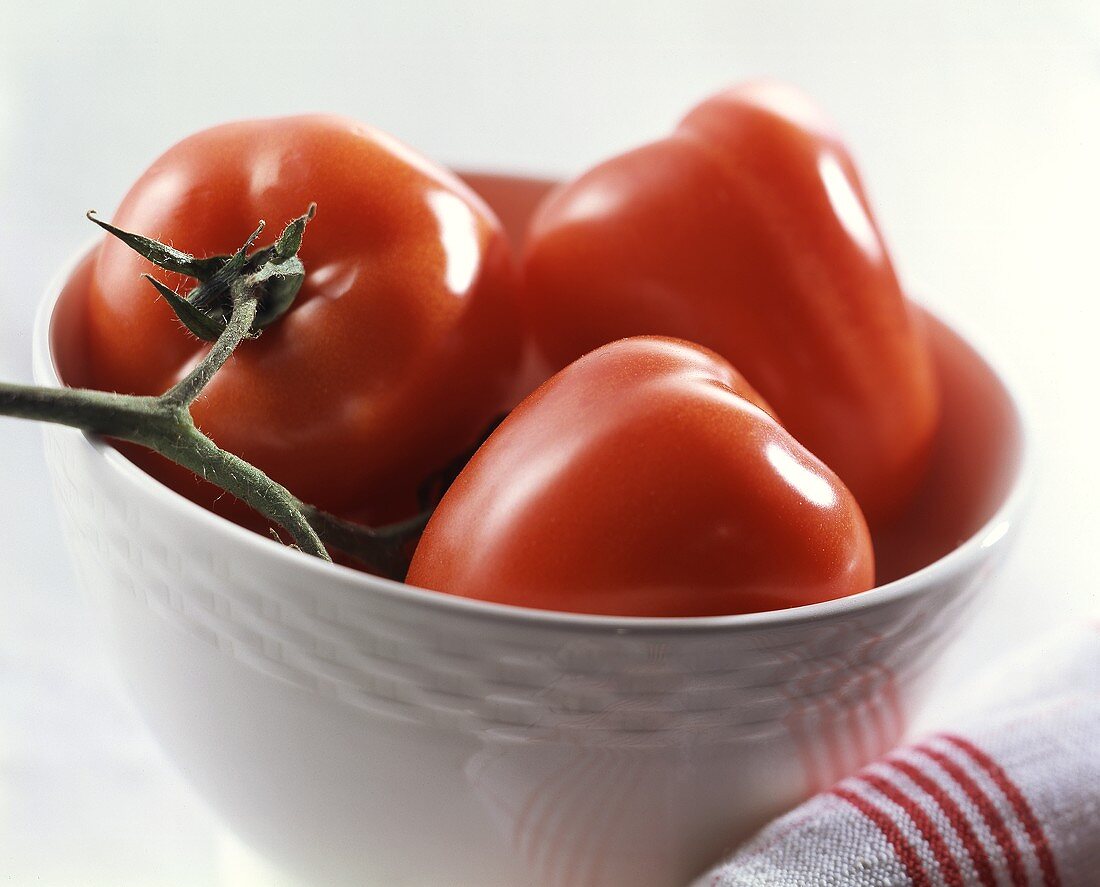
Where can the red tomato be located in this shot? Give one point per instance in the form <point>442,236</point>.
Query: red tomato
<point>747,230</point>
<point>402,341</point>
<point>646,479</point>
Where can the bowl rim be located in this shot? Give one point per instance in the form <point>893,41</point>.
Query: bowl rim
<point>992,533</point>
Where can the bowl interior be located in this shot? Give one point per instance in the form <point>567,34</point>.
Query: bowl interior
<point>976,458</point>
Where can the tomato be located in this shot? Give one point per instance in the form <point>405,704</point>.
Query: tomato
<point>399,348</point>
<point>747,230</point>
<point>645,479</point>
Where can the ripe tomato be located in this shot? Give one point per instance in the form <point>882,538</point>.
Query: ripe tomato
<point>747,230</point>
<point>399,347</point>
<point>646,479</point>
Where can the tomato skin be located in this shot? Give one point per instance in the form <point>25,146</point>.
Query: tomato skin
<point>645,479</point>
<point>747,230</point>
<point>402,342</point>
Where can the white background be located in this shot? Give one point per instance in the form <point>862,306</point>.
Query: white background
<point>978,128</point>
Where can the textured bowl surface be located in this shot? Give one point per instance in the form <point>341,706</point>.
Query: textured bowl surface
<point>360,731</point>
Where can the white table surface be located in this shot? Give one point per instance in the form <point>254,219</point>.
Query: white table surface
<point>978,128</point>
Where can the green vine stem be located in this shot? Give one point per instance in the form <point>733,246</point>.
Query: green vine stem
<point>235,297</point>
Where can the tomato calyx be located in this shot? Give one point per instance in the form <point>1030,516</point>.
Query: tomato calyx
<point>236,296</point>
<point>272,275</point>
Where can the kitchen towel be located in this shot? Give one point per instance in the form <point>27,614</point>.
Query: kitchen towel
<point>1007,794</point>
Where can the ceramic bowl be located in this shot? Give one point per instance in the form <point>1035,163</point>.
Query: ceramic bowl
<point>361,731</point>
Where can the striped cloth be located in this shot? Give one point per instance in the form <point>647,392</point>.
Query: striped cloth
<point>1009,796</point>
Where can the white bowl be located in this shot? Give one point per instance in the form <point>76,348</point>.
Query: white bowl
<point>362,731</point>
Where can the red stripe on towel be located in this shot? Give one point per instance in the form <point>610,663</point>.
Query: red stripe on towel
<point>988,810</point>
<point>946,861</point>
<point>893,834</point>
<point>1022,808</point>
<point>979,858</point>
